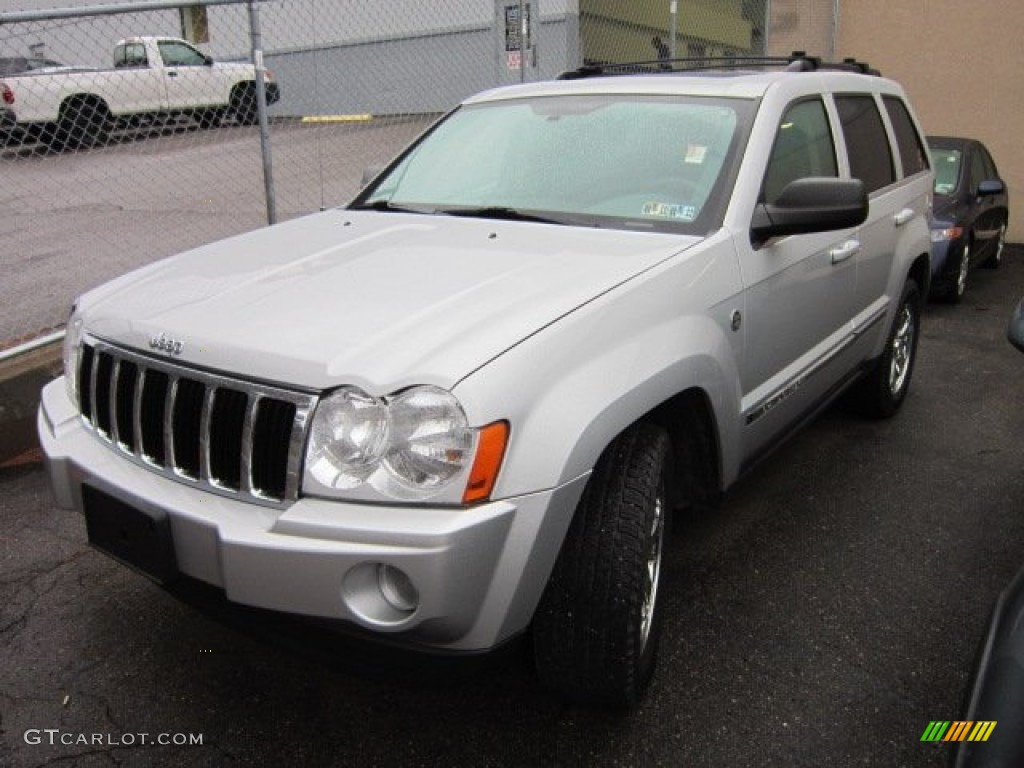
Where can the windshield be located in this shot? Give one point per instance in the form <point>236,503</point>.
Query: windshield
<point>947,170</point>
<point>650,162</point>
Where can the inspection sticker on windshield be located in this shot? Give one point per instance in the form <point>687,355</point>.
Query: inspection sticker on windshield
<point>695,154</point>
<point>668,211</point>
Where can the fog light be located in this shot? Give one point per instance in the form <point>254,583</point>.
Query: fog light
<point>397,589</point>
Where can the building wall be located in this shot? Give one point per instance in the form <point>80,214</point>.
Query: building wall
<point>961,63</point>
<point>801,25</point>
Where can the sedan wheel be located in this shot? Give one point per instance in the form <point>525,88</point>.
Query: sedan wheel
<point>996,258</point>
<point>963,267</point>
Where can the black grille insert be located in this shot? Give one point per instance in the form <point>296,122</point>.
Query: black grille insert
<point>231,437</point>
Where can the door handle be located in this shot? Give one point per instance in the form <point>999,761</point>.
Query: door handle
<point>172,73</point>
<point>842,252</point>
<point>903,216</point>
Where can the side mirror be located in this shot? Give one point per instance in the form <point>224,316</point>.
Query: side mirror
<point>808,205</point>
<point>991,187</point>
<point>1015,333</point>
<point>208,61</point>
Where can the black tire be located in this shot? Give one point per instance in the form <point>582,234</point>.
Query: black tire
<point>597,627</point>
<point>958,286</point>
<point>243,104</point>
<point>996,259</point>
<point>881,393</point>
<point>209,118</point>
<point>83,122</point>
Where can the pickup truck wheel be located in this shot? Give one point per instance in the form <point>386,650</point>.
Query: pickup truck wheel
<point>883,390</point>
<point>243,104</point>
<point>597,627</point>
<point>209,118</point>
<point>83,122</point>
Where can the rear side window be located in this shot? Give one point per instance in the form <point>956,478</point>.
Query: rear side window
<point>131,55</point>
<point>913,157</point>
<point>803,147</point>
<point>866,141</point>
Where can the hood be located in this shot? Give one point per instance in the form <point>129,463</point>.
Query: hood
<point>378,300</point>
<point>943,208</point>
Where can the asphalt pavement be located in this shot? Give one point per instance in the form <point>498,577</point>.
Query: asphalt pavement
<point>823,617</point>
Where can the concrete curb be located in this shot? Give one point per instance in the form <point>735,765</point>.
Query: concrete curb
<point>21,379</point>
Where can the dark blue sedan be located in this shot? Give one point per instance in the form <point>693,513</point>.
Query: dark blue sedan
<point>969,215</point>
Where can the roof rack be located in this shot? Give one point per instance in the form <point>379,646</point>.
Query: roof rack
<point>798,61</point>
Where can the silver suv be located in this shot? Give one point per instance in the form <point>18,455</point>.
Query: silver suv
<point>466,406</point>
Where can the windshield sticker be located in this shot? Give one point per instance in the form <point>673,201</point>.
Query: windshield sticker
<point>669,211</point>
<point>695,154</point>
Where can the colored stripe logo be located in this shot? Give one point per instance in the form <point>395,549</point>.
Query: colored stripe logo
<point>958,730</point>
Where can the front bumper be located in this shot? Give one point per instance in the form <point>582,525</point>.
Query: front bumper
<point>479,572</point>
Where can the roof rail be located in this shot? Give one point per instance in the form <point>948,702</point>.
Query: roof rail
<point>798,61</point>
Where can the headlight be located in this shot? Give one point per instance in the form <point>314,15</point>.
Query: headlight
<point>950,233</point>
<point>72,348</point>
<point>410,446</point>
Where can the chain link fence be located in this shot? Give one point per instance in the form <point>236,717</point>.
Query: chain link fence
<point>132,132</point>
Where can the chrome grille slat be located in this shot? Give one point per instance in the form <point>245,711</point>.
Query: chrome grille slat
<point>115,369</point>
<point>93,376</point>
<point>208,425</point>
<point>172,393</point>
<point>247,446</point>
<point>140,380</point>
<point>204,436</point>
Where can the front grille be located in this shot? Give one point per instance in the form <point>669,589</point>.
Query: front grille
<point>233,437</point>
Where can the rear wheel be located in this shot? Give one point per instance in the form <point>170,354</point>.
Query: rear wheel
<point>882,391</point>
<point>83,122</point>
<point>597,628</point>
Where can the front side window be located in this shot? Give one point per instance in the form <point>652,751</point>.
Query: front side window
<point>624,161</point>
<point>977,171</point>
<point>867,143</point>
<point>991,172</point>
<point>803,147</point>
<point>180,55</point>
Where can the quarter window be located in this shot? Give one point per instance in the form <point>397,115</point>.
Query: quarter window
<point>803,147</point>
<point>913,157</point>
<point>866,141</point>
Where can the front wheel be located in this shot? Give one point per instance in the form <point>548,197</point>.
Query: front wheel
<point>243,104</point>
<point>996,259</point>
<point>963,268</point>
<point>597,627</point>
<point>883,390</point>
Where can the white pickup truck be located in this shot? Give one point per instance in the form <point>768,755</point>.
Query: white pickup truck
<point>151,76</point>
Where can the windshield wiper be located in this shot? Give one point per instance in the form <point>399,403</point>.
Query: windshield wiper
<point>387,205</point>
<point>498,212</point>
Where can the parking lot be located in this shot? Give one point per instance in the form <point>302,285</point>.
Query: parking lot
<point>824,616</point>
<point>73,220</point>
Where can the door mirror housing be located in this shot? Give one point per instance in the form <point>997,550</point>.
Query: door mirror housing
<point>991,187</point>
<point>808,205</point>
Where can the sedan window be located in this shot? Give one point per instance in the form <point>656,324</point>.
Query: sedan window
<point>947,169</point>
